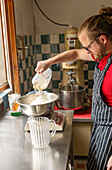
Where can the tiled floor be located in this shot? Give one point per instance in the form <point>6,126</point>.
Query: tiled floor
<point>80,164</point>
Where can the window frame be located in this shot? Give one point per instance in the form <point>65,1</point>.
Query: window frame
<point>12,46</point>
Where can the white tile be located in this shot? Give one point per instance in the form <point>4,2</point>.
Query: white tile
<point>33,70</point>
<point>90,74</point>
<point>53,54</point>
<point>34,61</point>
<point>45,48</point>
<point>55,91</point>
<point>32,39</point>
<point>30,82</point>
<point>38,39</point>
<point>54,39</point>
<point>38,57</point>
<point>25,86</point>
<point>26,53</point>
<point>90,91</point>
<point>21,76</point>
<point>29,61</point>
<point>85,66</point>
<point>50,85</point>
<point>27,73</point>
<point>62,48</point>
<point>56,75</point>
<point>23,64</point>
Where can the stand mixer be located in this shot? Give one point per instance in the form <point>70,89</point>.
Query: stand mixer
<point>72,90</point>
<point>77,66</point>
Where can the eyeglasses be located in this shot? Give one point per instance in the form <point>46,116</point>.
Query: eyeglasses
<point>87,48</point>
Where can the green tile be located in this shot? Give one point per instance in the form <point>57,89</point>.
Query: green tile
<point>54,48</point>
<point>24,75</point>
<point>26,62</point>
<point>17,40</point>
<point>30,73</point>
<point>25,38</point>
<point>26,92</point>
<point>91,65</point>
<point>61,38</point>
<point>87,91</point>
<point>31,60</point>
<point>38,49</point>
<point>45,39</point>
<point>49,90</point>
<point>20,64</point>
<point>55,84</point>
<point>28,83</point>
<point>55,67</point>
<point>30,39</point>
<point>28,51</point>
<point>22,88</point>
<point>85,75</point>
<point>34,49</point>
<point>45,56</point>
<point>61,75</point>
<point>90,83</point>
<point>34,39</point>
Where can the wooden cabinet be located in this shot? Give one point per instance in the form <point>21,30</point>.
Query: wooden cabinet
<point>81,137</point>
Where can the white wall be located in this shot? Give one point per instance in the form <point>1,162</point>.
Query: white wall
<point>72,12</point>
<point>29,19</point>
<point>24,17</point>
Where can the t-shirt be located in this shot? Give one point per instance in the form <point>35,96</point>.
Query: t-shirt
<point>106,88</point>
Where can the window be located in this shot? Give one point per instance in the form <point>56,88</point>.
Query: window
<point>9,73</point>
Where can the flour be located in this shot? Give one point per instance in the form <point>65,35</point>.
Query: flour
<point>42,98</point>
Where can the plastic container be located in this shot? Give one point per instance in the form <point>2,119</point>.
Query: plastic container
<point>13,104</point>
<point>41,81</point>
<point>39,131</point>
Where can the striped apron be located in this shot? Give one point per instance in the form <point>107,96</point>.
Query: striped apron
<point>100,148</point>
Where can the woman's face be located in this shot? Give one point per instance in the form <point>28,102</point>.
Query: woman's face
<point>98,49</point>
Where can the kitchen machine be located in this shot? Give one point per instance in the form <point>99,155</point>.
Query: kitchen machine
<point>71,90</point>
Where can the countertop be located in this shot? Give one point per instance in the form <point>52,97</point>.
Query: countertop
<point>83,115</point>
<point>17,152</point>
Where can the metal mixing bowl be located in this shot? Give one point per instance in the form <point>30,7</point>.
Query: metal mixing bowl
<point>72,96</point>
<point>39,109</point>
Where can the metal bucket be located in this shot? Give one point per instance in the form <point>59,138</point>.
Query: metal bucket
<point>39,109</point>
<point>72,97</point>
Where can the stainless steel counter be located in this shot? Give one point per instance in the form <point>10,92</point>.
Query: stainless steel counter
<point>17,152</point>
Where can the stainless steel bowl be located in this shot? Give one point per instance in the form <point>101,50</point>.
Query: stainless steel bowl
<point>72,97</point>
<point>39,109</point>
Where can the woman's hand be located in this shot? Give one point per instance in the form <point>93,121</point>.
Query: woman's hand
<point>42,66</point>
<point>109,164</point>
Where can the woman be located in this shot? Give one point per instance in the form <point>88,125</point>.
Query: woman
<point>95,34</point>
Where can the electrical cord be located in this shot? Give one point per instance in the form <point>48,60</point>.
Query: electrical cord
<point>48,17</point>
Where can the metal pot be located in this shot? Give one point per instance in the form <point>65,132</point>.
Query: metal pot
<point>39,109</point>
<point>72,97</point>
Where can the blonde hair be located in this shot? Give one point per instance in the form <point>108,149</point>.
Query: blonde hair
<point>99,24</point>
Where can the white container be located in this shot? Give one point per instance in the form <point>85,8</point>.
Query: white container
<point>41,81</point>
<point>39,131</point>
<point>13,104</point>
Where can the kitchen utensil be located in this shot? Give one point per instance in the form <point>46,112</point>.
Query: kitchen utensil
<point>72,96</point>
<point>37,109</point>
<point>39,130</point>
<point>41,81</point>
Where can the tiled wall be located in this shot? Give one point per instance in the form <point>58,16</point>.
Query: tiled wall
<point>42,47</point>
